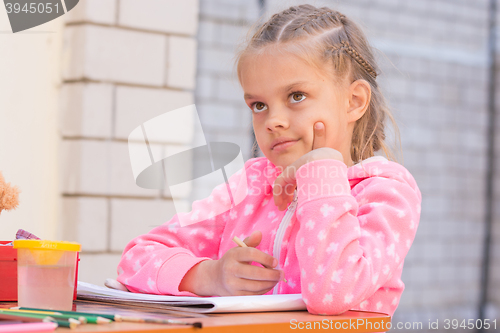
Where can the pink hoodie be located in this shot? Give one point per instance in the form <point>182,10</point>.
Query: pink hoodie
<point>342,249</point>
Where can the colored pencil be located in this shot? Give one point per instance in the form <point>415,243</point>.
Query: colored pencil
<point>92,318</point>
<point>53,314</point>
<point>196,324</point>
<point>23,319</point>
<point>28,327</point>
<point>71,322</point>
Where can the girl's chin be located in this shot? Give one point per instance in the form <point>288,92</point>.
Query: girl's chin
<point>284,161</point>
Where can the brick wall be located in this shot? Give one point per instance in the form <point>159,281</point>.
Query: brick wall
<point>125,62</point>
<point>493,296</point>
<point>218,95</point>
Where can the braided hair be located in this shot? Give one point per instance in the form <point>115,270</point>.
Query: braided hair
<point>328,36</point>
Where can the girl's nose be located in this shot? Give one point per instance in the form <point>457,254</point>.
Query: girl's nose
<point>278,120</point>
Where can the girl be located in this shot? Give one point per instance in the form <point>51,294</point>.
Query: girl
<point>309,79</point>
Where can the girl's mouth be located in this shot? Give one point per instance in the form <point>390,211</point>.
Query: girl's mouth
<point>283,146</point>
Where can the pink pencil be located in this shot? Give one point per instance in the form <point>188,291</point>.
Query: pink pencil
<point>28,327</point>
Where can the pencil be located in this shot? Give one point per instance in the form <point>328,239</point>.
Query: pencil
<point>83,317</point>
<point>71,323</point>
<point>22,319</point>
<point>52,313</point>
<point>196,324</point>
<point>239,242</point>
<point>76,313</point>
<point>28,327</point>
<point>242,244</point>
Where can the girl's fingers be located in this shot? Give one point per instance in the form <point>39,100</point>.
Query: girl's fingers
<point>319,140</point>
<point>256,273</point>
<point>250,254</point>
<point>260,288</point>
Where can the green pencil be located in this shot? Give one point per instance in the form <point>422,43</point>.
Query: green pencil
<point>92,318</point>
<point>71,323</point>
<point>53,314</point>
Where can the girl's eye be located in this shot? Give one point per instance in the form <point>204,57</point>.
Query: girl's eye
<point>297,97</point>
<point>259,106</point>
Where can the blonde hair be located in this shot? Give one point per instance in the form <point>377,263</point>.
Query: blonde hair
<point>327,35</point>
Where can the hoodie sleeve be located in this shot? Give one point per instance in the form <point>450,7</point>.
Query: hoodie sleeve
<point>350,242</point>
<point>156,262</point>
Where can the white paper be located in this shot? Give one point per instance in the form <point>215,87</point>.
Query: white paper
<point>257,303</point>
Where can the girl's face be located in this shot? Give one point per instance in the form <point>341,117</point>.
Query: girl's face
<point>287,97</point>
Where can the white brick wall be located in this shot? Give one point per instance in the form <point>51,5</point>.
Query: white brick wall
<point>95,11</point>
<point>181,65</point>
<point>86,110</point>
<point>86,221</point>
<point>121,179</point>
<point>132,217</point>
<point>230,10</point>
<point>170,16</point>
<point>136,105</point>
<point>99,168</point>
<point>124,62</point>
<point>96,268</point>
<point>112,54</point>
<point>85,167</point>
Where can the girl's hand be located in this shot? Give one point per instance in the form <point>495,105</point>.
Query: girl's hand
<point>285,183</point>
<point>233,275</point>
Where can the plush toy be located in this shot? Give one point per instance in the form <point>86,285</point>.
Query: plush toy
<point>8,195</point>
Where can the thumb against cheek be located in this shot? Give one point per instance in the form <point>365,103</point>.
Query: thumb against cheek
<point>319,139</point>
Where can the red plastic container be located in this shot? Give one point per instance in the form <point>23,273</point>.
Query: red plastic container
<point>8,273</point>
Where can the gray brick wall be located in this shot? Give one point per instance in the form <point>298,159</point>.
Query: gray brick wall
<point>218,95</point>
<point>494,274</point>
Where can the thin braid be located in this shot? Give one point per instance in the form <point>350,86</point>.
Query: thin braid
<point>356,56</point>
<point>313,18</point>
<point>276,17</point>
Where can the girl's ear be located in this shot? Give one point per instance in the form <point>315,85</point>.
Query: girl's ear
<point>359,94</point>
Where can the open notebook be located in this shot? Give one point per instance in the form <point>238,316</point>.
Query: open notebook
<point>258,303</point>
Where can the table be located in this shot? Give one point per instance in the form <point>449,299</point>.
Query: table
<point>256,322</point>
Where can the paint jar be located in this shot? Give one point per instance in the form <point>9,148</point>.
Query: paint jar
<point>46,273</point>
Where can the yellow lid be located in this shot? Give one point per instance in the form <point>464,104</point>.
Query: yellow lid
<point>46,245</point>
